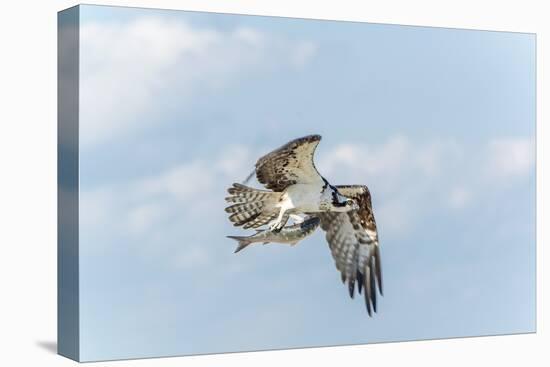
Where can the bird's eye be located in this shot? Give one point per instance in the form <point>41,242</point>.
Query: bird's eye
<point>349,202</point>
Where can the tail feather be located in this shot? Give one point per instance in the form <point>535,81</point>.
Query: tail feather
<point>264,219</point>
<point>239,219</point>
<point>243,242</point>
<point>244,207</point>
<point>246,191</point>
<point>236,199</point>
<point>261,220</point>
<point>251,207</point>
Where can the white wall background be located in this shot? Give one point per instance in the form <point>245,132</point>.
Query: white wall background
<point>28,181</point>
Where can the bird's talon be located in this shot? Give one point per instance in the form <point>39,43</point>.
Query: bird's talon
<point>276,227</point>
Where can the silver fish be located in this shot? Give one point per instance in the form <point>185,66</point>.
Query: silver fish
<point>289,234</point>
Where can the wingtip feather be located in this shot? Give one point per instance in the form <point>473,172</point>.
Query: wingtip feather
<point>373,286</point>
<point>368,291</point>
<point>351,288</point>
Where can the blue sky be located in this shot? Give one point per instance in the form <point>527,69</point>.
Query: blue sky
<point>175,106</point>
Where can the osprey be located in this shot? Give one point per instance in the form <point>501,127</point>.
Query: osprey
<point>296,187</point>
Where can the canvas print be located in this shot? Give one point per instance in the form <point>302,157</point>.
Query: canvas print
<point>296,188</point>
<point>233,183</point>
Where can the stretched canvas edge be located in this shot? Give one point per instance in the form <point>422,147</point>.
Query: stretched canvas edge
<point>68,330</point>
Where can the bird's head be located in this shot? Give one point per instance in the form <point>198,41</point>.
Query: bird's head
<point>342,203</point>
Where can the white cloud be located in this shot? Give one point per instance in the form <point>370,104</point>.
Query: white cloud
<point>302,53</point>
<point>391,164</point>
<point>350,163</point>
<point>94,207</point>
<point>409,179</point>
<point>191,257</point>
<point>394,216</point>
<point>181,182</point>
<point>133,72</point>
<point>141,203</point>
<point>510,157</point>
<point>236,161</point>
<point>459,197</point>
<point>142,218</point>
<point>148,212</point>
<point>249,36</point>
<point>369,159</point>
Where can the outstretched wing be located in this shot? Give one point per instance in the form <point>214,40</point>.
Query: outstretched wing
<point>353,241</point>
<point>290,164</point>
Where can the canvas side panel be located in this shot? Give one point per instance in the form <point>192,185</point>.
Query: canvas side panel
<point>67,183</point>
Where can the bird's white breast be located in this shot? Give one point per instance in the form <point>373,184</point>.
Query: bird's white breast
<point>303,197</point>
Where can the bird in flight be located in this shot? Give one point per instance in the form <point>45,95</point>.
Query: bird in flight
<point>294,188</point>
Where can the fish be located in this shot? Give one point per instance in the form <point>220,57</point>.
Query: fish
<point>290,234</point>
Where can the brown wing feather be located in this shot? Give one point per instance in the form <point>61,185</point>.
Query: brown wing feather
<point>353,241</point>
<point>290,164</point>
